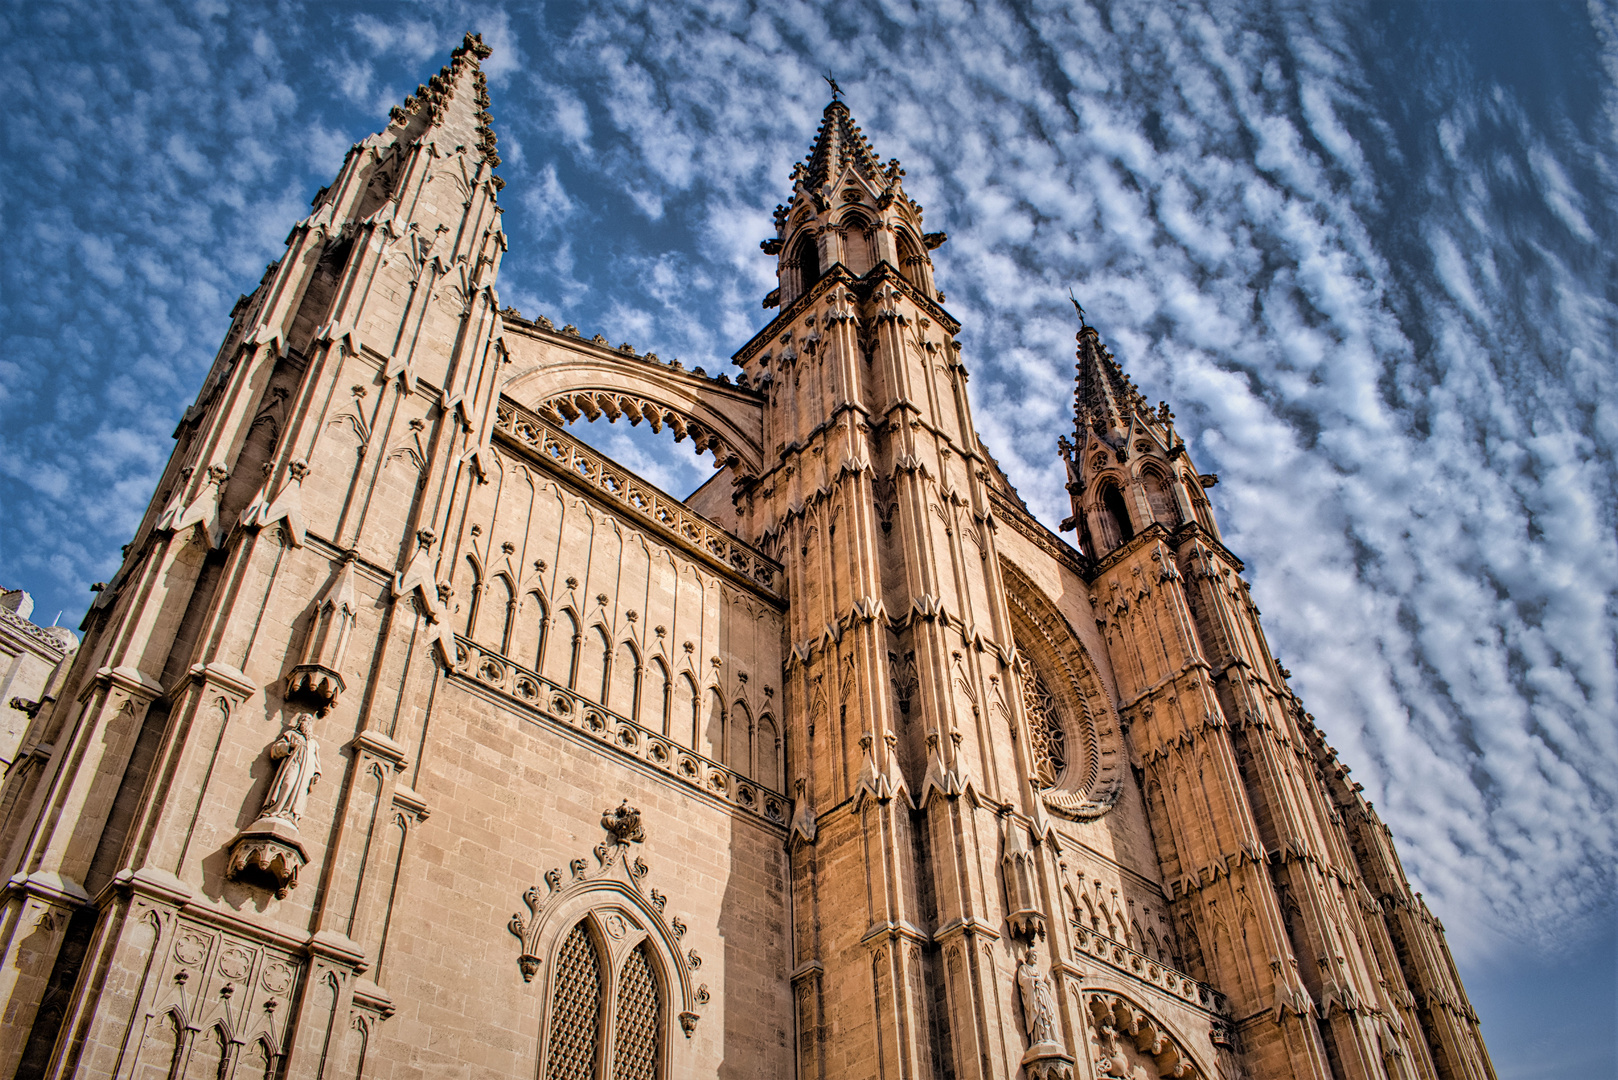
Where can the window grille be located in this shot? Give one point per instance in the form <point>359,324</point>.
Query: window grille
<point>575,1009</point>
<point>638,1022</point>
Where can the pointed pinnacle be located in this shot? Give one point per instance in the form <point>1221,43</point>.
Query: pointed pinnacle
<point>838,141</point>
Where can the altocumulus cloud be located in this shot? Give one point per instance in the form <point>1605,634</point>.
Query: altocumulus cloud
<point>1358,249</point>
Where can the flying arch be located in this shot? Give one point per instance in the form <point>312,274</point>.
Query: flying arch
<point>562,378</point>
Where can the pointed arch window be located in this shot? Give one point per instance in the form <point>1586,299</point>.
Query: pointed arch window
<point>595,664</point>
<point>808,260</point>
<point>599,1015</point>
<point>1161,498</point>
<point>468,589</point>
<point>656,698</point>
<point>712,742</point>
<point>858,255</point>
<point>686,711</point>
<point>496,605</point>
<point>639,1021</point>
<point>911,261</point>
<point>562,659</point>
<point>624,695</point>
<point>1116,514</point>
<point>739,740</point>
<point>529,640</point>
<point>575,1009</point>
<point>769,753</point>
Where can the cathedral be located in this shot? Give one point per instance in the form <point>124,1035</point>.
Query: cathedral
<point>415,738</point>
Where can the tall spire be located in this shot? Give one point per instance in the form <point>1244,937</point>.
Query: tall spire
<point>432,100</point>
<point>847,207</point>
<point>840,143</point>
<point>1104,398</point>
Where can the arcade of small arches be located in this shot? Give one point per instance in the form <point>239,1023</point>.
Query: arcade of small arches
<point>857,242</point>
<point>582,654</point>
<point>592,405</point>
<point>172,1048</point>
<point>1102,913</point>
<point>1127,500</point>
<point>562,378</point>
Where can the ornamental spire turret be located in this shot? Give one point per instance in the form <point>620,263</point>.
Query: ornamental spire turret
<point>848,208</point>
<point>1104,398</point>
<point>433,101</point>
<point>1126,465</point>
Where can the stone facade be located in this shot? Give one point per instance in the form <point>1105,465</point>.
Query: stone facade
<point>414,738</point>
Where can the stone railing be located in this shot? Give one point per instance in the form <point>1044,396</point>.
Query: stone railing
<point>57,643</point>
<point>1138,965</point>
<point>563,706</point>
<point>640,498</point>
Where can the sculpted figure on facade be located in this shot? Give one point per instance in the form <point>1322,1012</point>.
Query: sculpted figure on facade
<point>297,770</point>
<point>1038,1003</point>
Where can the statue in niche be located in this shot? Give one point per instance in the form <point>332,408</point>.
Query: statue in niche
<point>1038,1002</point>
<point>297,771</point>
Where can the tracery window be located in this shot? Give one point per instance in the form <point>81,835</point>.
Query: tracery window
<point>590,1002</point>
<point>634,1055</point>
<point>1046,730</point>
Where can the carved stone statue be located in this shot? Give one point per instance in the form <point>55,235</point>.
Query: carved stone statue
<point>296,774</point>
<point>269,853</point>
<point>1038,1003</point>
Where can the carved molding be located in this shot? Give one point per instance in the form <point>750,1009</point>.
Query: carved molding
<point>616,895</point>
<point>569,709</point>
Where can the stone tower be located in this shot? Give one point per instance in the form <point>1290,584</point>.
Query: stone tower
<point>415,737</point>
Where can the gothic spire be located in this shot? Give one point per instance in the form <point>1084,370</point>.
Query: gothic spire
<point>1104,398</point>
<point>848,207</point>
<point>433,100</point>
<point>840,143</point>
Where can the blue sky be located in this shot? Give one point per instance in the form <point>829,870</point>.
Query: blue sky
<point>1365,251</point>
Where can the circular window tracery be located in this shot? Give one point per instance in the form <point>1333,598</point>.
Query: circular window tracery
<point>1074,735</point>
<point>1046,726</point>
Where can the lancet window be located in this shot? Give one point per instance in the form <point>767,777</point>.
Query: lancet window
<point>808,259</point>
<point>1115,516</point>
<point>1161,498</point>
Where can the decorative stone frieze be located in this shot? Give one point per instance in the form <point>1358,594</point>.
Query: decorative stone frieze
<point>543,698</point>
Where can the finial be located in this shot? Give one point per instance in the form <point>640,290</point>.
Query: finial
<point>836,91</point>
<point>1077,308</point>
